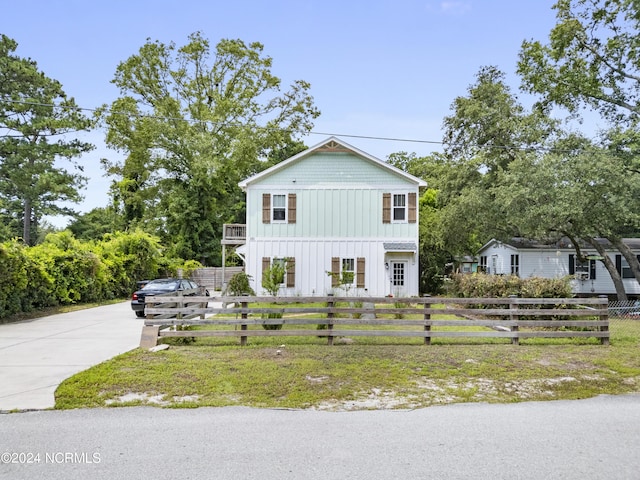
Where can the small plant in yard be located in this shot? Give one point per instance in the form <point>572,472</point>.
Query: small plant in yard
<point>239,285</point>
<point>272,279</point>
<point>398,304</point>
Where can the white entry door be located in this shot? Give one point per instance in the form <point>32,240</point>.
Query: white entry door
<point>398,279</point>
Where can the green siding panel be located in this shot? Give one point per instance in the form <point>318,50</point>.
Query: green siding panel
<point>325,169</point>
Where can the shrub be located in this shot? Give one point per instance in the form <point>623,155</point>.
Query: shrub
<point>239,284</point>
<point>480,285</point>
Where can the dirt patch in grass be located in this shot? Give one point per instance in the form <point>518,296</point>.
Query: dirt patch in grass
<point>353,377</point>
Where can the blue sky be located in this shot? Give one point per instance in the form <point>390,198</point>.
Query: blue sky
<point>377,68</point>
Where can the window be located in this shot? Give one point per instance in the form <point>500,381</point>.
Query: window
<point>347,271</point>
<point>398,273</point>
<point>279,208</point>
<point>515,264</point>
<point>482,266</point>
<point>289,266</point>
<point>623,267</point>
<point>399,207</point>
<point>583,270</point>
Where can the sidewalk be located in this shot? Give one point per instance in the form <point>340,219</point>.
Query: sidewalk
<point>37,355</point>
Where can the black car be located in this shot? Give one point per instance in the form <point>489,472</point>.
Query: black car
<point>163,285</point>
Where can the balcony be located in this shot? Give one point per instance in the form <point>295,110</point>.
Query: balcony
<point>234,234</point>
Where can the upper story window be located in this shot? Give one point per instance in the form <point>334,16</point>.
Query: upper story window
<point>279,208</point>
<point>399,207</point>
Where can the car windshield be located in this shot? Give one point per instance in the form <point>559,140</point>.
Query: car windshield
<point>167,285</point>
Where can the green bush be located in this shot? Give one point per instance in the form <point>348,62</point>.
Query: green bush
<point>239,284</point>
<point>13,281</point>
<point>480,285</point>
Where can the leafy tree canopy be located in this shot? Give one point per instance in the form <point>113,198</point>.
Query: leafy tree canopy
<point>37,122</point>
<point>192,123</point>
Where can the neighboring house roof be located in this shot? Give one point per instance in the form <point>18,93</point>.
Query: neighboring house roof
<point>562,244</point>
<point>331,144</point>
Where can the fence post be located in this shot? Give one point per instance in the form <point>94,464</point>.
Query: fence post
<point>604,315</point>
<point>427,320</point>
<point>330,304</point>
<point>243,315</point>
<point>514,317</point>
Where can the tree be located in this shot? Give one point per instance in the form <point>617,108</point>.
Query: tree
<point>577,190</point>
<point>592,60</point>
<point>193,123</point>
<point>93,225</point>
<point>487,131</point>
<point>37,120</point>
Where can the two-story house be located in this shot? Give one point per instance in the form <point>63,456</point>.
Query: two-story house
<point>333,209</point>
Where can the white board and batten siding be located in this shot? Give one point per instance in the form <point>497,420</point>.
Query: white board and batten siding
<point>554,262</point>
<point>334,193</point>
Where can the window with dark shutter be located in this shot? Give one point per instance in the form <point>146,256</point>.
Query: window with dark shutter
<point>413,214</point>
<point>335,271</point>
<point>292,208</point>
<point>291,272</point>
<point>266,264</point>
<point>386,208</point>
<point>360,273</point>
<point>266,208</point>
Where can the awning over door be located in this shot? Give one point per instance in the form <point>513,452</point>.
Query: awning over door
<point>400,247</point>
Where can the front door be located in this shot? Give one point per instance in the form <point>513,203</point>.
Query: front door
<point>398,279</point>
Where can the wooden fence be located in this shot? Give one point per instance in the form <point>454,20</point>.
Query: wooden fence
<point>513,318</point>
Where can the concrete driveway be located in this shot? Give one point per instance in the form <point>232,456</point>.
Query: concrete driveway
<point>37,355</point>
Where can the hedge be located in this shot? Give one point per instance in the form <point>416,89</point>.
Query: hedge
<point>64,270</point>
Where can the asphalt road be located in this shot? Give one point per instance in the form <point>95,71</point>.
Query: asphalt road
<point>588,439</point>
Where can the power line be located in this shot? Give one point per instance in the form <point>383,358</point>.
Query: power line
<point>344,135</point>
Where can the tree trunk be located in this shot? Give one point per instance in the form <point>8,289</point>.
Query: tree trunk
<point>26,231</point>
<point>629,256</point>
<point>611,268</point>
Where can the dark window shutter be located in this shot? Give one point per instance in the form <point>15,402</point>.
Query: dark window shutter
<point>291,272</point>
<point>292,208</point>
<point>412,208</point>
<point>335,271</point>
<point>360,273</point>
<point>592,269</point>
<point>386,208</point>
<point>572,264</point>
<point>266,208</point>
<point>619,264</point>
<point>266,264</point>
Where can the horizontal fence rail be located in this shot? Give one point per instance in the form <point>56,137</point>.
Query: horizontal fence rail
<point>331,317</point>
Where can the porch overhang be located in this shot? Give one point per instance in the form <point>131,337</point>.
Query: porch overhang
<point>392,247</point>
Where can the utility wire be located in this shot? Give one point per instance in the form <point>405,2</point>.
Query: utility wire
<point>344,135</point>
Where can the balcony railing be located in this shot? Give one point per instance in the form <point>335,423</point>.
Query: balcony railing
<point>234,233</point>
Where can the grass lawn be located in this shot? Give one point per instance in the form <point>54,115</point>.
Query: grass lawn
<point>360,373</point>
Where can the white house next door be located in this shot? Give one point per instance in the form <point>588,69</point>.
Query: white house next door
<point>398,278</point>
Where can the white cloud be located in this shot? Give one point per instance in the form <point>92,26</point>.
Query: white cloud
<point>456,8</point>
